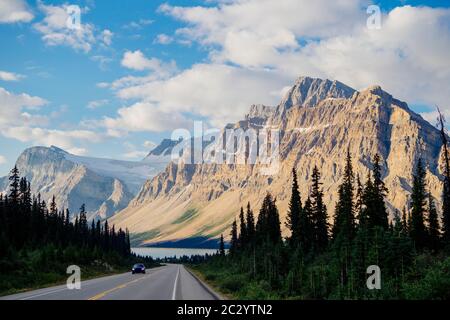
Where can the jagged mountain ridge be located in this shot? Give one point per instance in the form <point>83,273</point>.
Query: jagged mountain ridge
<point>318,121</point>
<point>104,185</point>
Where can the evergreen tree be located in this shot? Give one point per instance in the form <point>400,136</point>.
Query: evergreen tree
<point>294,212</point>
<point>319,213</point>
<point>418,203</point>
<point>379,214</point>
<point>359,197</point>
<point>405,228</point>
<point>344,222</point>
<point>234,244</point>
<point>344,219</point>
<point>274,222</point>
<point>243,239</point>
<point>268,226</point>
<point>14,192</point>
<point>250,219</point>
<point>306,227</point>
<point>222,246</point>
<point>433,224</point>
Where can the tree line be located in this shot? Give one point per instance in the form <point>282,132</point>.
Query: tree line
<point>318,260</point>
<point>28,223</point>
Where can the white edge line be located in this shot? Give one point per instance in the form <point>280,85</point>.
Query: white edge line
<point>43,294</point>
<point>174,293</point>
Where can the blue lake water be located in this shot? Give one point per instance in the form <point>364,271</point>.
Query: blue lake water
<point>170,252</point>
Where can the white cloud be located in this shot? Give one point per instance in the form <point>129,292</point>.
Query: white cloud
<point>408,56</point>
<point>136,60</point>
<point>97,103</point>
<point>12,11</point>
<point>3,160</point>
<point>163,39</point>
<point>107,36</point>
<point>55,32</point>
<point>143,116</point>
<point>103,61</point>
<point>220,92</point>
<point>252,60</point>
<point>10,76</point>
<point>138,24</point>
<point>16,108</point>
<point>102,85</point>
<point>48,137</point>
<point>78,151</point>
<point>19,120</point>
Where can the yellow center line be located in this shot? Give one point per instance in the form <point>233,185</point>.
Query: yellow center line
<point>104,293</point>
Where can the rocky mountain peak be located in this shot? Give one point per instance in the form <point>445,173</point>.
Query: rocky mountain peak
<point>309,91</point>
<point>319,121</point>
<point>163,149</point>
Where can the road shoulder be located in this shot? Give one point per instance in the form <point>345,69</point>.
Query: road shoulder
<point>208,287</point>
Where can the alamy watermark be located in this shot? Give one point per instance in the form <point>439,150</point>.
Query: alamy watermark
<point>74,280</point>
<point>73,21</point>
<point>374,19</point>
<point>230,146</point>
<point>374,280</point>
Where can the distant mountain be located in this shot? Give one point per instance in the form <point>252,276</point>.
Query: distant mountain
<point>164,149</point>
<point>104,185</point>
<point>318,120</point>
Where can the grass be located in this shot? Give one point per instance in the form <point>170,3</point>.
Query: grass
<point>136,239</point>
<point>17,283</point>
<point>213,284</point>
<point>187,215</point>
<point>234,285</point>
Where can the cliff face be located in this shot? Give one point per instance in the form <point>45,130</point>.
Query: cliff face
<point>105,186</point>
<point>318,120</point>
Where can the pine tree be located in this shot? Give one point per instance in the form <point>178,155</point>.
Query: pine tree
<point>234,243</point>
<point>344,222</point>
<point>418,203</point>
<point>274,222</point>
<point>268,226</point>
<point>294,212</point>
<point>405,228</point>
<point>243,239</point>
<point>14,179</point>
<point>319,213</point>
<point>359,197</point>
<point>250,219</point>
<point>222,246</point>
<point>433,224</point>
<point>379,215</point>
<point>306,227</point>
<point>344,219</point>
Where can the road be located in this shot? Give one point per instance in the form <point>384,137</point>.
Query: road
<point>169,282</point>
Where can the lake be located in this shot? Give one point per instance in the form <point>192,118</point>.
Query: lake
<point>170,252</point>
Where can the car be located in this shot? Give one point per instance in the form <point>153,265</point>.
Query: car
<point>138,268</point>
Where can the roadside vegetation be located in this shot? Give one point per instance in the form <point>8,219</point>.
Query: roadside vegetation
<point>322,261</point>
<point>38,242</point>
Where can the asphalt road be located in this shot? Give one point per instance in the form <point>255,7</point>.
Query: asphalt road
<point>169,282</point>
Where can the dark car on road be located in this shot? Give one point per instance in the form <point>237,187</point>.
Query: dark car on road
<point>138,268</point>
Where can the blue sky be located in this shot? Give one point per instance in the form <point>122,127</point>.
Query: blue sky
<point>139,69</point>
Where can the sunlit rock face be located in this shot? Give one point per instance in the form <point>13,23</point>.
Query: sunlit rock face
<point>318,121</point>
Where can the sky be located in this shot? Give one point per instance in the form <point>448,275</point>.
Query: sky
<point>130,72</point>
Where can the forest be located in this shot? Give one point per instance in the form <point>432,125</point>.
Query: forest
<point>38,241</point>
<point>322,261</point>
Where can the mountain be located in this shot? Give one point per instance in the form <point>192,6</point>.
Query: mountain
<point>164,149</point>
<point>104,185</point>
<point>318,121</point>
